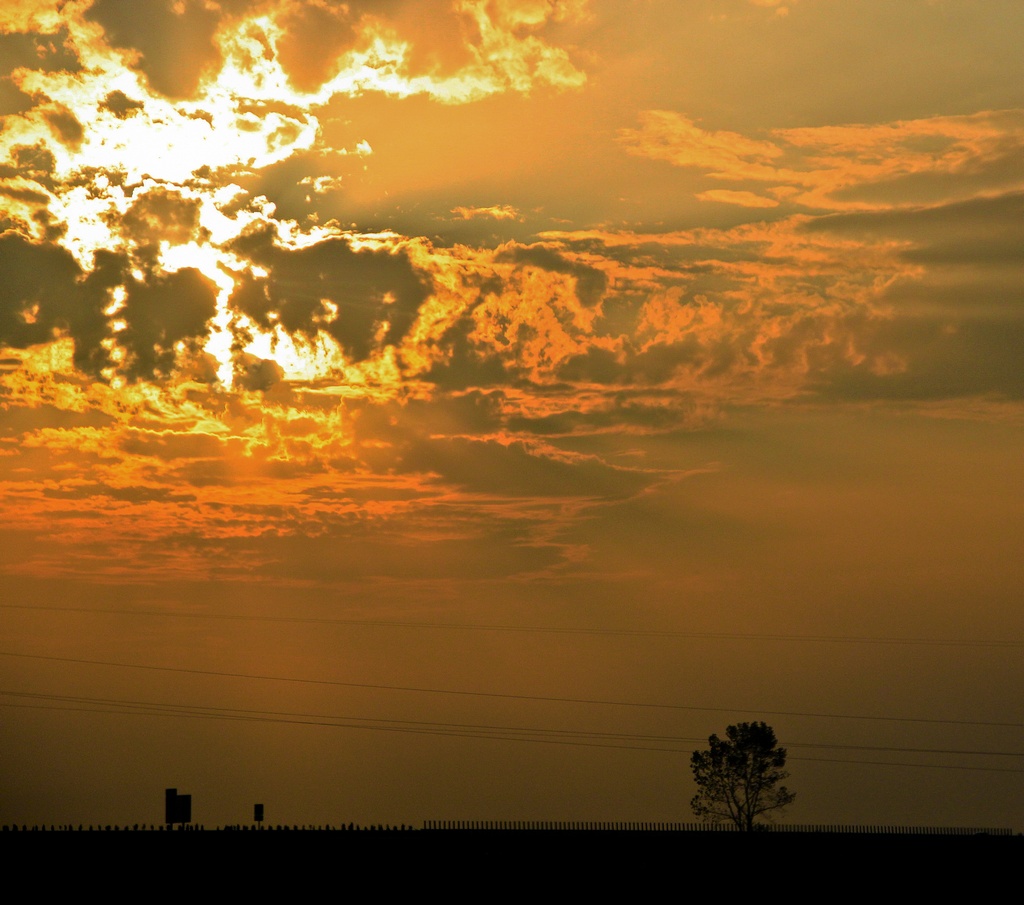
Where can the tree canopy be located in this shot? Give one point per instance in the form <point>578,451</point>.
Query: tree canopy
<point>738,778</point>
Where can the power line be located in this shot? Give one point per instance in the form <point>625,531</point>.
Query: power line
<point>531,629</point>
<point>575,738</point>
<point>890,763</point>
<point>517,697</point>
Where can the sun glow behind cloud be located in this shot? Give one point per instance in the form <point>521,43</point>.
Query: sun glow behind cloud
<point>114,144</point>
<point>139,197</point>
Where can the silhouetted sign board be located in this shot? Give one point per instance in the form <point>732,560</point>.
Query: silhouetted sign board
<point>257,813</point>
<point>177,808</point>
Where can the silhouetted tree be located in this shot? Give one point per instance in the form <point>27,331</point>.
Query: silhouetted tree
<point>738,777</point>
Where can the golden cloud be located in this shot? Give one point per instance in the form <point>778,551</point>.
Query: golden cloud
<point>837,168</point>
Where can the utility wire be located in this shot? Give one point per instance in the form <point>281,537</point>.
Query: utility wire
<point>576,738</point>
<point>517,697</point>
<point>554,630</point>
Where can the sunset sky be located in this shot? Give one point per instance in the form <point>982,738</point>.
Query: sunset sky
<point>459,409</point>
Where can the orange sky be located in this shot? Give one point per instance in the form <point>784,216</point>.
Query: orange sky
<point>631,351</point>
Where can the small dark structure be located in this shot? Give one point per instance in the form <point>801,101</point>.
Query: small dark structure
<point>177,808</point>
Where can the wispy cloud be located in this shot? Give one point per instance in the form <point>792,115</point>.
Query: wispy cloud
<point>494,212</point>
<point>848,167</point>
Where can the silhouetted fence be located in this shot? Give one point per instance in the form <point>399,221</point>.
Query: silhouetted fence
<point>606,826</point>
<point>544,825</point>
<point>198,827</point>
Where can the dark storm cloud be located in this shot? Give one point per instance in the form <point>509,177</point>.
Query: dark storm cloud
<point>962,294</point>
<point>44,292</point>
<point>971,224</point>
<point>12,99</point>
<point>465,366</point>
<point>683,255</point>
<point>513,470</point>
<point>471,413</point>
<point>999,167</point>
<point>34,161</point>
<point>693,354</point>
<point>161,215</point>
<point>19,421</point>
<point>44,53</point>
<point>595,365</point>
<point>709,354</point>
<point>175,47</point>
<point>176,42</point>
<point>590,282</point>
<point>172,446</point>
<point>254,373</point>
<point>122,106</point>
<point>162,311</point>
<point>287,184</point>
<point>642,410</point>
<point>931,358</point>
<point>138,494</point>
<point>971,252</point>
<point>619,350</point>
<point>69,130</point>
<point>370,288</point>
<point>441,39</point>
<point>315,36</point>
<point>364,493</point>
<point>47,53</point>
<point>435,439</point>
<point>387,436</point>
<point>33,197</point>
